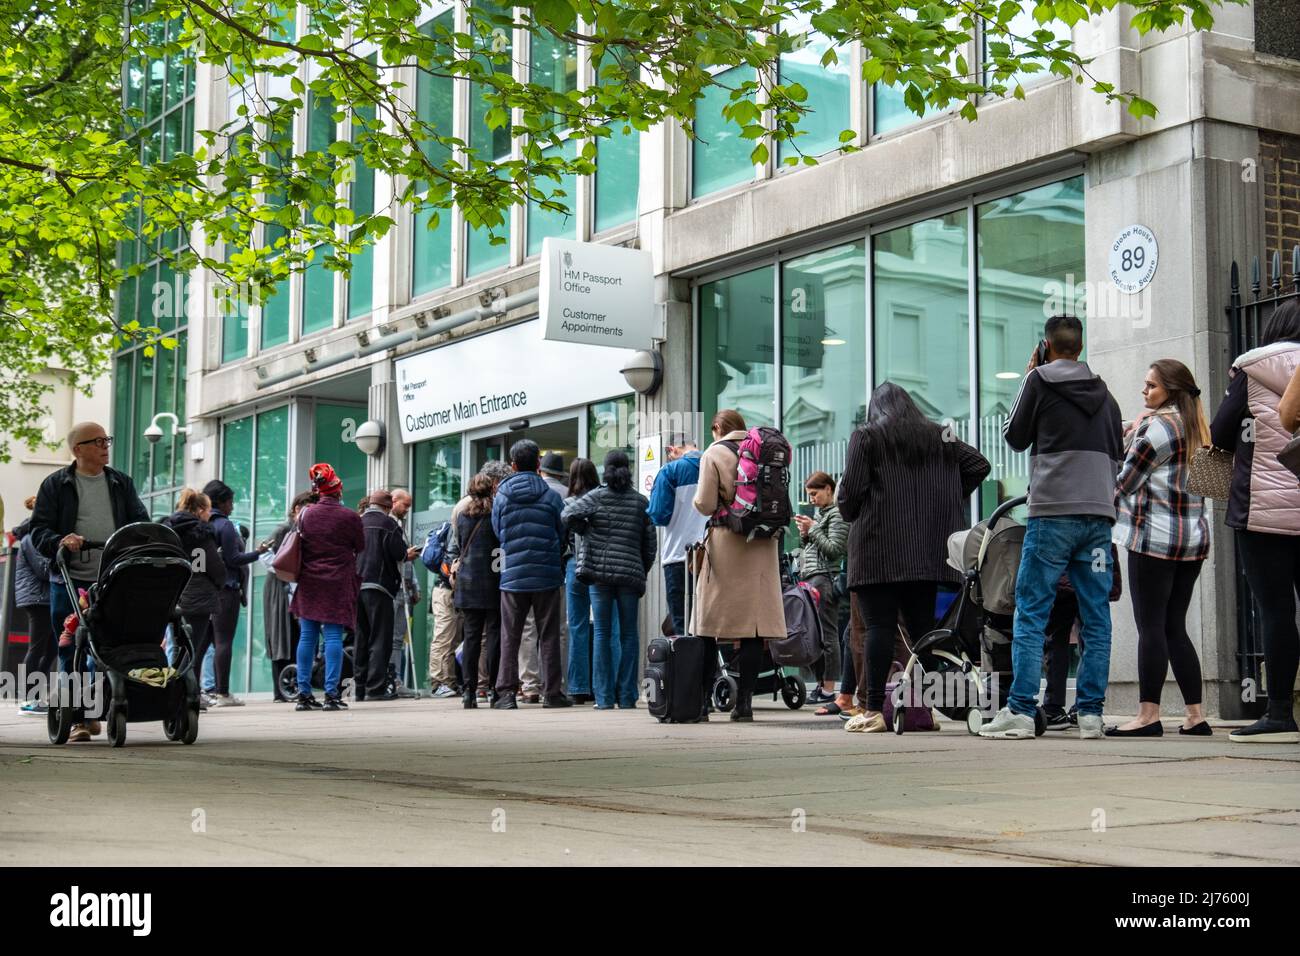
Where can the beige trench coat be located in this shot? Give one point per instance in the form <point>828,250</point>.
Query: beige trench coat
<point>738,591</point>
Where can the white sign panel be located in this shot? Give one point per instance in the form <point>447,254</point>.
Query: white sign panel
<point>1133,259</point>
<point>649,459</point>
<point>597,294</point>
<point>499,377</point>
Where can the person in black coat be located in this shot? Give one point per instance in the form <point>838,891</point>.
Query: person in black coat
<point>618,550</point>
<point>201,597</point>
<point>905,489</point>
<point>381,578</point>
<point>476,587</point>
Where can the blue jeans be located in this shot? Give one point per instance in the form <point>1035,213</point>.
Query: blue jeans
<point>1080,547</point>
<point>578,600</point>
<point>310,633</point>
<point>616,645</point>
<point>675,585</point>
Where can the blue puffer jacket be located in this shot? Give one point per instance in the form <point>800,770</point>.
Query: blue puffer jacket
<point>32,572</point>
<point>526,519</point>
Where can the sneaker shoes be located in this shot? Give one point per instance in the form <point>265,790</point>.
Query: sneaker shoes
<point>557,700</point>
<point>225,700</point>
<point>506,702</point>
<point>1267,730</point>
<point>78,734</point>
<point>33,708</point>
<point>1090,727</point>
<point>308,702</point>
<point>1058,720</point>
<point>334,703</point>
<point>1009,726</point>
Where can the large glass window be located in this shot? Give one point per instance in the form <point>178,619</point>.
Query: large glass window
<point>553,63</point>
<point>922,316</point>
<point>611,426</point>
<point>890,110</point>
<point>362,203</point>
<point>828,93</point>
<point>737,351</point>
<point>434,96</point>
<point>549,222</point>
<point>618,174</point>
<point>318,281</point>
<point>823,355</point>
<point>719,156</point>
<point>489,144</point>
<point>1023,24</point>
<point>335,431</point>
<point>1031,266</point>
<point>275,311</point>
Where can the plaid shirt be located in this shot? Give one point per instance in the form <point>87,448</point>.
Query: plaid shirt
<point>1157,515</point>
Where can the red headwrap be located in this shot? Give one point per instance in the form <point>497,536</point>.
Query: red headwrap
<point>324,481</point>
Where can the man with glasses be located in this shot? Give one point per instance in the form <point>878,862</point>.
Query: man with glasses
<point>86,501</point>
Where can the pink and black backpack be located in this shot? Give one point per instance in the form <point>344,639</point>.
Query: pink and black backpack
<point>761,508</point>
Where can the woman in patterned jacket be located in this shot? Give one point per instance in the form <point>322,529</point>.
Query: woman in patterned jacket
<point>1163,526</point>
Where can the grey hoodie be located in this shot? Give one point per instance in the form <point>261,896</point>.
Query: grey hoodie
<point>1068,415</point>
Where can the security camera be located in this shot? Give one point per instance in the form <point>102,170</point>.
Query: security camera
<point>154,434</point>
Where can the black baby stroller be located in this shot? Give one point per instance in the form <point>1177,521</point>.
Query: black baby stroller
<point>142,572</point>
<point>782,660</point>
<point>942,671</point>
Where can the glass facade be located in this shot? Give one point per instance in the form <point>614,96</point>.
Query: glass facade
<point>828,94</point>
<point>318,281</point>
<point>719,157</point>
<point>737,347</point>
<point>436,488</point>
<point>334,431</point>
<point>549,222</point>
<point>144,385</point>
<point>361,200</point>
<point>431,248</point>
<point>611,426</point>
<point>481,255</point>
<point>1030,265</point>
<point>1023,24</point>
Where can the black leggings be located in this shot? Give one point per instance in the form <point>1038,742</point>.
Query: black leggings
<point>482,630</point>
<point>1162,592</point>
<point>881,605</point>
<point>1273,568</point>
<point>747,660</point>
<point>40,647</point>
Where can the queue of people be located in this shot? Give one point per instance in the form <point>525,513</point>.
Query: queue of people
<point>532,573</point>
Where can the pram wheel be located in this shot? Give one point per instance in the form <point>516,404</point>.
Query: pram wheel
<point>289,681</point>
<point>975,721</point>
<point>900,718</point>
<point>116,726</point>
<point>724,693</point>
<point>58,723</point>
<point>184,726</point>
<point>793,692</point>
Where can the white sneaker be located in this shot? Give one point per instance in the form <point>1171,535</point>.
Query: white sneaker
<point>225,700</point>
<point>1009,726</point>
<point>1090,727</point>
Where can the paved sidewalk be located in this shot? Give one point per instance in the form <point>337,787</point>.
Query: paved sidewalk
<point>426,782</point>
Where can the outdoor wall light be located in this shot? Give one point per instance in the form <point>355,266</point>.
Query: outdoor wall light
<point>369,437</point>
<point>155,434</point>
<point>644,371</point>
<point>833,337</point>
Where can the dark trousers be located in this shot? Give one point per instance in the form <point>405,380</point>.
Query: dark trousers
<point>1162,593</point>
<point>747,660</point>
<point>675,586</point>
<point>1060,624</point>
<point>40,642</point>
<point>224,625</point>
<point>374,641</point>
<point>482,630</point>
<point>848,673</point>
<point>1273,568</point>
<point>547,608</point>
<point>881,605</point>
<point>200,626</point>
<point>828,614</point>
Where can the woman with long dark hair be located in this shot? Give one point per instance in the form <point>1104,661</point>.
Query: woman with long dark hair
<point>905,489</point>
<point>476,588</point>
<point>583,478</point>
<point>616,554</point>
<point>1163,526</point>
<point>281,627</point>
<point>201,598</point>
<point>1264,509</point>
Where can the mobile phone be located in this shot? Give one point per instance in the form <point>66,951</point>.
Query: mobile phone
<point>1040,353</point>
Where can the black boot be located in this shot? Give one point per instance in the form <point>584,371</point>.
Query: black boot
<point>744,709</point>
<point>470,700</point>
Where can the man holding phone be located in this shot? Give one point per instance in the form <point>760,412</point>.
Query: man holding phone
<point>1067,417</point>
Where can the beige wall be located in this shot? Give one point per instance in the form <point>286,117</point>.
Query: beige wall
<point>22,476</point>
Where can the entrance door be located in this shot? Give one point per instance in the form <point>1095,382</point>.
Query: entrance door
<point>560,435</point>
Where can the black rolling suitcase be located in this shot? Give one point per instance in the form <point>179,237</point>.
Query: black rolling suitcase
<point>674,669</point>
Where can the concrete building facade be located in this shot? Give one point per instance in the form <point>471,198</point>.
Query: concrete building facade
<point>931,257</point>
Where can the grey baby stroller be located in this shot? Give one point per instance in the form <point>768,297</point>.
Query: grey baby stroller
<point>963,666</point>
<point>142,572</point>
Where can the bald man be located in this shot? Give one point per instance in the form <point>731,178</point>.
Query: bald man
<point>86,501</point>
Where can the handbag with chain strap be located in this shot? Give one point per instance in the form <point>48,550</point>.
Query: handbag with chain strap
<point>1209,473</point>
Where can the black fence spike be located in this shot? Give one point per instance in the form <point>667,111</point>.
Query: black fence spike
<point>1254,276</point>
<point>1276,284</point>
<point>1295,266</point>
<point>1235,276</point>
